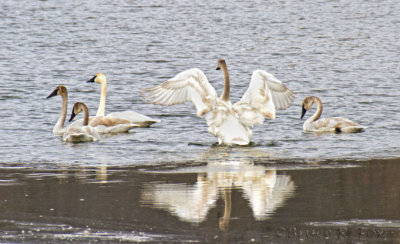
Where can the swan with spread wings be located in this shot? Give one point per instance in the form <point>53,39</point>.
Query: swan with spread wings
<point>229,123</point>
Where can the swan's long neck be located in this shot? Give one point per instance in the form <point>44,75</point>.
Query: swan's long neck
<point>85,115</point>
<point>102,105</point>
<point>318,113</point>
<point>225,95</point>
<point>63,113</point>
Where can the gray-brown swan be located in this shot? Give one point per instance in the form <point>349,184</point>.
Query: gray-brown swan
<point>335,124</point>
<point>84,133</point>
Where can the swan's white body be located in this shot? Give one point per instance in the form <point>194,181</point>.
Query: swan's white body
<point>224,123</point>
<point>334,124</point>
<point>78,134</point>
<point>136,118</point>
<point>229,123</point>
<point>102,124</point>
<point>84,133</point>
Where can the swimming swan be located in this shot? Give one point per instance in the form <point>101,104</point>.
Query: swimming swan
<point>136,118</point>
<point>230,124</point>
<point>84,133</point>
<point>103,125</point>
<point>59,128</point>
<point>335,124</point>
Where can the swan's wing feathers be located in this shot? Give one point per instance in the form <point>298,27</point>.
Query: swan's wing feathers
<point>281,95</point>
<point>190,85</point>
<point>264,95</point>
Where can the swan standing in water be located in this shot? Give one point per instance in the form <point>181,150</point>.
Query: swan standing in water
<point>136,118</point>
<point>84,133</point>
<point>230,124</point>
<point>103,125</point>
<point>335,124</point>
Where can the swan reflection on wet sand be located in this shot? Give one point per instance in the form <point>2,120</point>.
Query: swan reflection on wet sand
<point>263,188</point>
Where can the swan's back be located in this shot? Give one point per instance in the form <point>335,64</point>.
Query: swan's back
<point>77,134</point>
<point>109,125</point>
<point>335,124</point>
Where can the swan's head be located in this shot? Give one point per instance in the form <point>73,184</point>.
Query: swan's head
<point>307,103</point>
<point>78,107</point>
<point>58,91</point>
<point>221,63</point>
<point>98,78</point>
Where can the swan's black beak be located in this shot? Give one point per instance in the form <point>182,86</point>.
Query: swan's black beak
<point>218,68</point>
<point>72,115</point>
<point>54,93</point>
<point>303,112</point>
<point>91,80</point>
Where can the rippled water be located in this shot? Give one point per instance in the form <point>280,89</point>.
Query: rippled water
<point>345,52</point>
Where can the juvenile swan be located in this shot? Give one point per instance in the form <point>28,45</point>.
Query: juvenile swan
<point>84,133</point>
<point>103,125</point>
<point>230,124</point>
<point>335,124</point>
<point>59,128</point>
<point>136,118</point>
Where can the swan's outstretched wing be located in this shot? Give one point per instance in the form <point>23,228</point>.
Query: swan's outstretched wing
<point>190,85</point>
<point>264,95</point>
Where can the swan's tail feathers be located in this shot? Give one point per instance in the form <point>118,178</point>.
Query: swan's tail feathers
<point>147,123</point>
<point>350,129</point>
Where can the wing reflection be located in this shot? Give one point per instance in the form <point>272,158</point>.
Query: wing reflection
<point>190,203</point>
<point>264,189</point>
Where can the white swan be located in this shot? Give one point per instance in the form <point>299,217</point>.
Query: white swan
<point>335,124</point>
<point>136,118</point>
<point>84,133</point>
<point>230,124</point>
<point>103,125</point>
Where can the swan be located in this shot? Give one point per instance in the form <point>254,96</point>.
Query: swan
<point>335,124</point>
<point>103,125</point>
<point>84,133</point>
<point>136,118</point>
<point>229,123</point>
<point>59,128</point>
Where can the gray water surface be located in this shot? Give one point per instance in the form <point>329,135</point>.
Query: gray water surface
<point>345,52</point>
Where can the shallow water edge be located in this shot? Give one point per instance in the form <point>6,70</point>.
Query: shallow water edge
<point>223,202</point>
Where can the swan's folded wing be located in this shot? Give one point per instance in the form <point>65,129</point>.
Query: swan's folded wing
<point>140,119</point>
<point>190,85</point>
<point>264,95</point>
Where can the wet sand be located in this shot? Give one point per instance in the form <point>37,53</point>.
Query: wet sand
<point>345,201</point>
